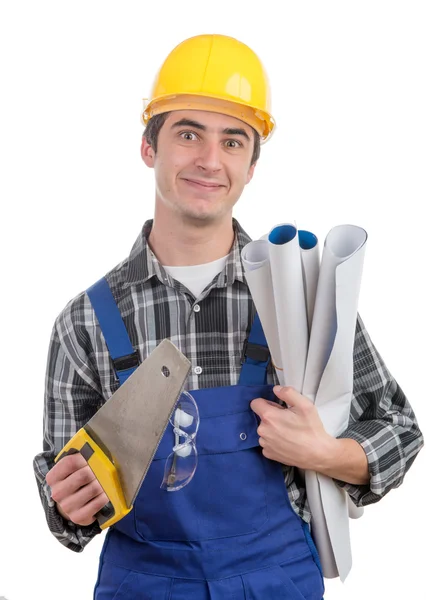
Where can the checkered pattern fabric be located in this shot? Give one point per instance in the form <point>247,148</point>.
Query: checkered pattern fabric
<point>80,375</point>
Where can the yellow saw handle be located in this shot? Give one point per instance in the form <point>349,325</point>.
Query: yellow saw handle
<point>104,471</point>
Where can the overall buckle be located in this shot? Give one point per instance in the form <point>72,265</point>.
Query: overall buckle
<point>255,352</point>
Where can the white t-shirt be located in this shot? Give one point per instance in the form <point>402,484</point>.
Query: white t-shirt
<point>197,277</point>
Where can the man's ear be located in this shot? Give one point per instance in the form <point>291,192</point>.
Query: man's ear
<point>250,173</point>
<point>147,153</point>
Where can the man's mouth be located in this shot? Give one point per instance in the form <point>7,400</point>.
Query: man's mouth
<point>205,185</point>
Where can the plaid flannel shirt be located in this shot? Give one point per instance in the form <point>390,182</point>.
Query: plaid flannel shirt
<point>210,330</point>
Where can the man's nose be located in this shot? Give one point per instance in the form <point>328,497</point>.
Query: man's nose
<point>209,158</point>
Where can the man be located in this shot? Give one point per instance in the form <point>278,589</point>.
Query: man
<point>240,528</point>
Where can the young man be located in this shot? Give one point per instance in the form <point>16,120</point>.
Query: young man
<point>239,529</point>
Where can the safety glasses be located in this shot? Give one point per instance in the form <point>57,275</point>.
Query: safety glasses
<point>182,461</point>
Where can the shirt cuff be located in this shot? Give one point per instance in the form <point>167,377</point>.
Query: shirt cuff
<point>73,536</point>
<point>386,460</point>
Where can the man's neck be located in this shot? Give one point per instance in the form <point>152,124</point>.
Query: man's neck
<point>179,243</point>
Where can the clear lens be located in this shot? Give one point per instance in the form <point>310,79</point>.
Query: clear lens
<point>185,416</point>
<point>182,462</point>
<point>179,470</point>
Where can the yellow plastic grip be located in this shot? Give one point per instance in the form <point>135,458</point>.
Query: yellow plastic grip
<point>104,471</point>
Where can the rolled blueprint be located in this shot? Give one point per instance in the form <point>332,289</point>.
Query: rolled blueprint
<point>290,304</point>
<point>255,259</point>
<point>308,314</point>
<point>329,382</point>
<point>309,252</point>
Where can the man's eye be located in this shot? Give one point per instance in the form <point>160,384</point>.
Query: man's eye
<point>233,144</point>
<point>188,135</point>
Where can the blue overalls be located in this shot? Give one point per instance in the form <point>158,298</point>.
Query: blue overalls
<point>231,532</point>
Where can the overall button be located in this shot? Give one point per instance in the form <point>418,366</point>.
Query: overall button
<point>197,308</point>
<point>198,370</point>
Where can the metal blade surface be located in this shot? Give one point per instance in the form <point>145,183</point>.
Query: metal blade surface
<point>130,425</point>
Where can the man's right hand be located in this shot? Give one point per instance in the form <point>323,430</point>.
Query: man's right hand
<point>75,489</point>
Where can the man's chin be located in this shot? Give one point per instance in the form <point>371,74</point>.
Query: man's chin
<point>201,217</point>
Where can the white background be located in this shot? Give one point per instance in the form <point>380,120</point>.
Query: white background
<point>349,96</point>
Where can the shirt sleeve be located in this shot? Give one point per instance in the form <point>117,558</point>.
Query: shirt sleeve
<point>72,396</point>
<point>381,421</point>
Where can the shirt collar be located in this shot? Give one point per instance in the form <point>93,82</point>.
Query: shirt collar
<point>142,263</point>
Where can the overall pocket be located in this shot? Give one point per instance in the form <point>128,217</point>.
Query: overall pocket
<point>122,584</point>
<point>227,495</point>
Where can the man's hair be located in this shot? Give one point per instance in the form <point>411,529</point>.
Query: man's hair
<point>156,122</point>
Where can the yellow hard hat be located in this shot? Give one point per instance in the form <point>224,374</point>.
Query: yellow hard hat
<point>216,73</point>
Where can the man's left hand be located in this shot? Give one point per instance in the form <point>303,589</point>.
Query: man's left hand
<point>294,435</point>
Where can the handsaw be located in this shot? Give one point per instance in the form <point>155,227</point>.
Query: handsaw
<point>121,439</point>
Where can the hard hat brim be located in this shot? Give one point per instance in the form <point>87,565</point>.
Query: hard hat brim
<point>258,119</point>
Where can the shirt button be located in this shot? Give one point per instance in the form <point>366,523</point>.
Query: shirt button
<point>197,308</point>
<point>198,370</point>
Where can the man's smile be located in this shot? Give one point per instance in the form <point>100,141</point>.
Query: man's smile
<point>203,184</point>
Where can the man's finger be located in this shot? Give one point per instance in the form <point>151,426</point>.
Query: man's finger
<point>86,514</point>
<point>71,484</point>
<point>274,404</point>
<point>291,397</point>
<point>64,467</point>
<point>81,497</point>
<point>260,405</point>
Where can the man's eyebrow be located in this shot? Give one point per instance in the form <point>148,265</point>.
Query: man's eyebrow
<point>201,127</point>
<point>236,131</point>
<point>189,123</point>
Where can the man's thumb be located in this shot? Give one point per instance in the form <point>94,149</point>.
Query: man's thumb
<point>290,396</point>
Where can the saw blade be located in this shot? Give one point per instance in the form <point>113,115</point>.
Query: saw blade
<point>130,425</point>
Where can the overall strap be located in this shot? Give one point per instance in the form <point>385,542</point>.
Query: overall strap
<point>124,357</point>
<point>256,357</point>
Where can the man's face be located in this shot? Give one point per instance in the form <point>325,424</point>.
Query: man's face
<point>201,165</point>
